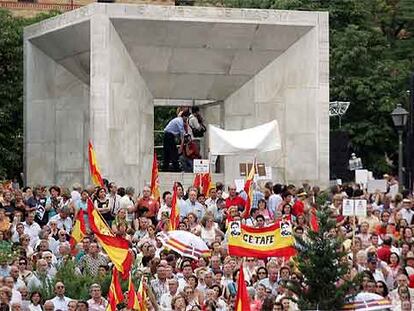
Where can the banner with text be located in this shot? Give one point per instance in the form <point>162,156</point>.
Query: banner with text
<point>273,241</point>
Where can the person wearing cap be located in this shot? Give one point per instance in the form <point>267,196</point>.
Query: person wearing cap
<point>407,210</point>
<point>409,259</point>
<point>376,268</point>
<point>299,206</point>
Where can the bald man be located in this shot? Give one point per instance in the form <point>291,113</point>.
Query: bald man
<point>60,301</point>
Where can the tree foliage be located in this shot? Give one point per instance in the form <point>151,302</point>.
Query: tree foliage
<point>11,91</point>
<point>76,284</point>
<point>371,57</point>
<point>325,267</point>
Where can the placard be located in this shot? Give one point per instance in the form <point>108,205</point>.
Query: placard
<point>268,175</point>
<point>377,185</point>
<point>393,190</point>
<point>201,166</point>
<point>239,184</point>
<point>360,207</point>
<point>347,207</point>
<point>361,176</point>
<point>260,169</point>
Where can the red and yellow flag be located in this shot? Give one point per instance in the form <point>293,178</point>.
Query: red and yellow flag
<point>273,241</point>
<point>175,210</point>
<point>96,222</point>
<point>242,296</point>
<point>142,295</point>
<point>202,181</point>
<point>155,185</point>
<point>313,221</point>
<point>115,294</point>
<point>93,167</point>
<point>117,248</point>
<point>248,188</point>
<point>78,232</point>
<point>133,301</point>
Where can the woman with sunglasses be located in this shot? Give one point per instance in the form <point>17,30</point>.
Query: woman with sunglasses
<point>261,273</point>
<point>24,274</point>
<point>381,289</point>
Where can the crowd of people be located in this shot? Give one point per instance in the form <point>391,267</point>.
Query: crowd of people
<point>38,222</point>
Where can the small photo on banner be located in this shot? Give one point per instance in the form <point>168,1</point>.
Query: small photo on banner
<point>272,241</point>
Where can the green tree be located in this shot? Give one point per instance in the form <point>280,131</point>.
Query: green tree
<point>371,57</point>
<point>325,268</point>
<point>11,91</point>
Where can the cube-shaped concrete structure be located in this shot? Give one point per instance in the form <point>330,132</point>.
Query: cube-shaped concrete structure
<point>96,72</point>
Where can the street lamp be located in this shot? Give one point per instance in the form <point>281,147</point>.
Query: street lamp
<point>355,163</point>
<point>399,118</point>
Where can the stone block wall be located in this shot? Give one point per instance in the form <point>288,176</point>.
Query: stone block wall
<point>122,112</point>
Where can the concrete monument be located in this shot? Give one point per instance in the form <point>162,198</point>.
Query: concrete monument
<point>96,73</point>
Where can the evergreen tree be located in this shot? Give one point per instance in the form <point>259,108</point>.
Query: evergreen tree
<point>324,266</point>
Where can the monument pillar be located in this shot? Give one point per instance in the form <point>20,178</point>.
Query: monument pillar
<point>121,108</point>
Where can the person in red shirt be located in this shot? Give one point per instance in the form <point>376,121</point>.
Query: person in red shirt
<point>381,229</point>
<point>384,252</point>
<point>299,206</point>
<point>234,199</point>
<point>147,202</point>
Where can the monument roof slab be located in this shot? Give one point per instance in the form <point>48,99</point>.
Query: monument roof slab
<point>181,52</point>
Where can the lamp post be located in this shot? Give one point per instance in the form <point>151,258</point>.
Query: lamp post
<point>399,118</point>
<point>355,163</point>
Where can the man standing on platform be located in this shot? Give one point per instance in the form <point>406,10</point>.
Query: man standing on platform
<point>175,128</point>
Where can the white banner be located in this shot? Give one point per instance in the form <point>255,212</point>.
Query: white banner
<point>258,139</point>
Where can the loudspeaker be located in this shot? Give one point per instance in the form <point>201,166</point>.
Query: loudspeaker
<point>339,154</point>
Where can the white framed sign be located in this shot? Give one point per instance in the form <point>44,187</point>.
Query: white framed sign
<point>347,207</point>
<point>360,207</point>
<point>201,166</point>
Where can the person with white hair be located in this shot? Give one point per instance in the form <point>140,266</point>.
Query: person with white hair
<point>97,302</point>
<point>60,301</point>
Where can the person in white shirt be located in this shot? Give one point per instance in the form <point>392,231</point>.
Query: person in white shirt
<point>275,199</point>
<point>407,211</point>
<point>126,202</point>
<point>16,296</point>
<point>114,199</point>
<point>60,301</point>
<point>76,193</point>
<point>165,300</point>
<point>97,302</point>
<point>62,219</point>
<point>211,202</point>
<point>32,228</point>
<point>165,205</point>
<point>17,282</point>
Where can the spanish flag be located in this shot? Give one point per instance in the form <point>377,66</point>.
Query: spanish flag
<point>248,188</point>
<point>93,167</point>
<point>313,221</point>
<point>242,296</point>
<point>115,294</point>
<point>117,248</point>
<point>96,221</point>
<point>202,181</point>
<point>175,210</point>
<point>142,295</point>
<point>133,302</point>
<point>273,241</point>
<point>155,185</point>
<point>78,232</point>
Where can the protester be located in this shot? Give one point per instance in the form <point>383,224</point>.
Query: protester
<point>380,245</point>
